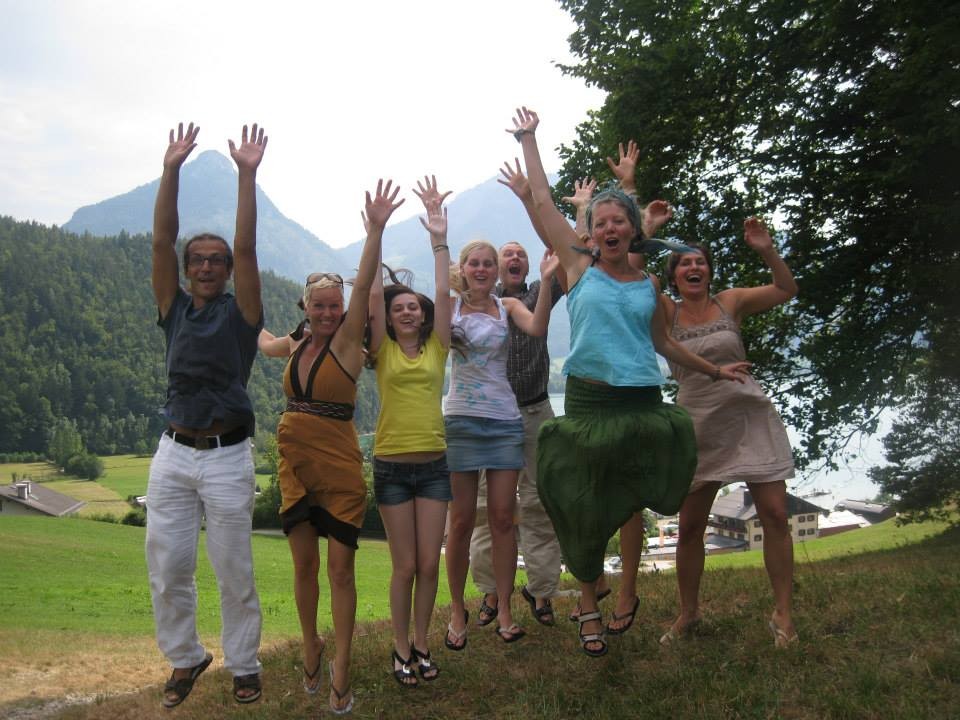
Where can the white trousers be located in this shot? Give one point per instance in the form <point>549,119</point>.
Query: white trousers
<point>185,486</point>
<point>536,538</point>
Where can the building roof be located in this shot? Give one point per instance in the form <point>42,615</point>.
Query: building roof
<point>842,518</point>
<point>41,499</point>
<point>869,510</point>
<point>738,504</point>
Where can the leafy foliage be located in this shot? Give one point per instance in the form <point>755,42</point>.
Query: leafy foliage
<point>79,345</point>
<point>840,120</point>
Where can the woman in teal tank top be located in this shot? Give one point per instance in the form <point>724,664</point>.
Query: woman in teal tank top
<point>619,448</point>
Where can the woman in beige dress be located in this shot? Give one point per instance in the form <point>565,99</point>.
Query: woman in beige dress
<point>740,437</point>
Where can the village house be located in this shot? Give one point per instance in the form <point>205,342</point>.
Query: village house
<point>734,515</point>
<point>25,497</point>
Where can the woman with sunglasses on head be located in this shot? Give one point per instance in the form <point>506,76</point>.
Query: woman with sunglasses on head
<point>740,437</point>
<point>619,448</point>
<point>409,341</point>
<point>320,470</point>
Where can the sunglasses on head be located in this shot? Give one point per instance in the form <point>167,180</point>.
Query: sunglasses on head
<point>317,277</point>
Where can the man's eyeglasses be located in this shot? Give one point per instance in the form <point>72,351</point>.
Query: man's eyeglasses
<point>196,260</point>
<point>317,277</point>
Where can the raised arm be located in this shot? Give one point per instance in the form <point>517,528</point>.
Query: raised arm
<point>535,323</point>
<point>749,301</point>
<point>563,239</point>
<point>377,311</point>
<point>166,221</point>
<point>514,179</point>
<point>436,226</point>
<point>347,343</point>
<point>246,273</point>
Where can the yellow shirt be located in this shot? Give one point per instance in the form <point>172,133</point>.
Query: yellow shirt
<point>411,419</point>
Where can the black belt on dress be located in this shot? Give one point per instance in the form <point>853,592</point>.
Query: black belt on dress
<point>207,442</point>
<point>323,408</point>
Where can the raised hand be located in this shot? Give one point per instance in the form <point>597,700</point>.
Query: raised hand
<point>582,192</point>
<point>548,265</point>
<point>180,147</point>
<point>514,179</point>
<point>655,215</point>
<point>526,121</point>
<point>380,208</point>
<point>625,168</point>
<point>429,195</point>
<point>756,235</point>
<point>436,222</point>
<point>250,152</point>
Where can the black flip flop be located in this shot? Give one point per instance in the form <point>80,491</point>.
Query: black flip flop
<point>629,617</point>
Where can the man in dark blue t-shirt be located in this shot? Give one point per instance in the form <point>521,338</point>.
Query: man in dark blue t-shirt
<point>203,468</point>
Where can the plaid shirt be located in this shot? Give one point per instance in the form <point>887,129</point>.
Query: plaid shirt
<point>528,365</point>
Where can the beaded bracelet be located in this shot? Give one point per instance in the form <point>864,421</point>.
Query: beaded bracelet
<point>438,248</point>
<point>521,131</point>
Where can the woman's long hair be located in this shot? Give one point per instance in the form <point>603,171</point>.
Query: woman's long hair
<point>400,281</point>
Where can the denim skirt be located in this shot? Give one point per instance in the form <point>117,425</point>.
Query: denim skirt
<point>478,443</point>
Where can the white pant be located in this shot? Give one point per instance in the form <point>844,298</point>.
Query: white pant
<point>185,486</point>
<point>536,538</point>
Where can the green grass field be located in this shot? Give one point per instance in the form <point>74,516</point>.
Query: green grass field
<point>878,611</point>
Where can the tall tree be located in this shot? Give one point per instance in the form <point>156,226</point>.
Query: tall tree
<point>841,120</point>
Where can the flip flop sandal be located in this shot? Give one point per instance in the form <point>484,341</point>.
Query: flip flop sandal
<point>181,687</point>
<point>592,637</point>
<point>457,636</point>
<point>247,682</point>
<point>510,634</point>
<point>487,614</point>
<point>629,617</point>
<point>600,596</point>
<point>310,682</point>
<point>340,696</point>
<point>539,614</point>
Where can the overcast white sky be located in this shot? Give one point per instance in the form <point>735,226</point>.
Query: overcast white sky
<point>347,92</point>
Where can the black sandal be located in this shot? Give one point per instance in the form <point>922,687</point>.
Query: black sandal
<point>487,614</point>
<point>247,682</point>
<point>181,687</point>
<point>404,675</point>
<point>539,614</point>
<point>428,671</point>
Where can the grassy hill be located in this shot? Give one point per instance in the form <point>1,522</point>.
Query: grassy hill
<point>879,633</point>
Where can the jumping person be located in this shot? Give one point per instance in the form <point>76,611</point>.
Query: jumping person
<point>619,448</point>
<point>410,338</point>
<point>528,370</point>
<point>320,471</point>
<point>740,436</point>
<point>203,468</point>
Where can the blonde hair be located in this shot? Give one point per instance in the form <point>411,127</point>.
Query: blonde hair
<point>458,283</point>
<point>323,281</point>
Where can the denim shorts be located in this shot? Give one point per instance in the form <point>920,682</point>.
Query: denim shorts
<point>396,482</point>
<point>478,443</point>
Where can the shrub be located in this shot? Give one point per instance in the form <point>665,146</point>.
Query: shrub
<point>136,517</point>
